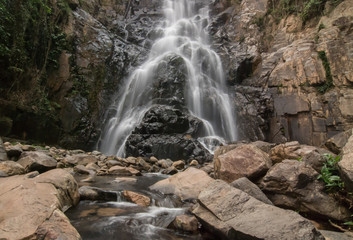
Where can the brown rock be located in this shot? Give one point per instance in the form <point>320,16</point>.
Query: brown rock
<point>37,161</point>
<point>3,155</point>
<point>165,163</point>
<point>185,223</point>
<point>11,168</point>
<point>137,198</point>
<point>186,185</point>
<point>170,171</point>
<point>13,151</point>
<point>124,171</point>
<point>180,164</point>
<point>290,150</point>
<point>80,159</point>
<point>94,194</point>
<point>243,161</point>
<point>338,141</point>
<point>194,163</point>
<point>345,166</point>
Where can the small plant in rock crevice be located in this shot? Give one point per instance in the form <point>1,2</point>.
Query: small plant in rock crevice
<point>329,173</point>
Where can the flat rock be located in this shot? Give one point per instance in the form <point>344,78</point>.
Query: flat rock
<point>94,194</point>
<point>37,161</point>
<point>243,161</point>
<point>27,203</point>
<point>11,168</point>
<point>234,214</point>
<point>186,185</point>
<point>137,198</point>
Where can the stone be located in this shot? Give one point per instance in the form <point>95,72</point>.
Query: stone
<point>3,174</point>
<point>3,154</point>
<point>223,149</point>
<point>37,161</point>
<point>185,223</point>
<point>80,159</point>
<point>293,184</point>
<point>58,226</point>
<point>28,148</point>
<point>124,171</point>
<point>180,164</point>
<point>208,168</point>
<point>186,185</point>
<point>6,124</point>
<point>145,166</point>
<point>193,163</point>
<point>92,167</point>
<point>316,158</point>
<point>250,188</point>
<point>243,161</point>
<point>96,194</point>
<point>11,168</point>
<point>170,171</point>
<point>125,179</point>
<point>137,198</point>
<point>289,150</point>
<point>27,203</point>
<point>91,177</point>
<point>112,163</point>
<point>13,151</point>
<point>233,214</point>
<point>331,235</point>
<point>165,163</point>
<point>264,146</point>
<point>153,159</point>
<point>338,141</point>
<point>81,169</point>
<point>345,166</point>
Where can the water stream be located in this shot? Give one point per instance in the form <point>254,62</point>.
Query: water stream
<point>185,34</point>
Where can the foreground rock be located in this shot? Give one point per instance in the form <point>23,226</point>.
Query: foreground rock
<point>293,184</point>
<point>338,141</point>
<point>186,185</point>
<point>233,214</point>
<point>137,198</point>
<point>28,206</point>
<point>11,168</point>
<point>243,161</point>
<point>345,166</point>
<point>37,161</point>
<point>94,194</point>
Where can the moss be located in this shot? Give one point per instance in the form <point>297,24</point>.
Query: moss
<point>329,80</point>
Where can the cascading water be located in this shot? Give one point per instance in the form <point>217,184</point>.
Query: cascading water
<point>184,35</point>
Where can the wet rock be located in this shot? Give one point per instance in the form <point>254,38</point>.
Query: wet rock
<point>250,188</point>
<point>13,151</point>
<point>186,185</point>
<point>179,164</point>
<point>80,159</point>
<point>293,184</point>
<point>185,223</point>
<point>290,150</point>
<point>233,214</point>
<point>170,171</point>
<point>124,171</point>
<point>243,161</point>
<point>91,177</point>
<point>11,168</point>
<point>224,149</point>
<point>44,194</point>
<point>137,198</point>
<point>95,194</point>
<point>37,161</point>
<point>338,141</point>
<point>58,226</point>
<point>125,179</point>
<point>3,154</point>
<point>345,166</point>
<point>93,167</point>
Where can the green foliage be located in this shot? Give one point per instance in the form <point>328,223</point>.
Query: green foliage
<point>329,80</point>
<point>260,22</point>
<point>312,8</point>
<point>329,173</point>
<point>321,26</point>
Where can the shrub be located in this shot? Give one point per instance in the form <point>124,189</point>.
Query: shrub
<point>329,173</point>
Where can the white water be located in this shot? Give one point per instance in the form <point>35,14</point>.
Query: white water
<point>184,34</point>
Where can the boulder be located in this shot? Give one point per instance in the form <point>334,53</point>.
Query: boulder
<point>338,141</point>
<point>165,163</point>
<point>11,168</point>
<point>331,235</point>
<point>233,214</point>
<point>293,184</point>
<point>345,166</point>
<point>289,150</point>
<point>13,151</point>
<point>243,161</point>
<point>124,171</point>
<point>112,163</point>
<point>224,149</point>
<point>250,188</point>
<point>316,159</point>
<point>94,194</point>
<point>170,171</point>
<point>37,161</point>
<point>186,185</point>
<point>180,164</point>
<point>186,223</point>
<point>264,146</point>
<point>80,159</point>
<point>142,163</point>
<point>28,203</point>
<point>82,169</point>
<point>3,154</point>
<point>194,163</point>
<point>137,198</point>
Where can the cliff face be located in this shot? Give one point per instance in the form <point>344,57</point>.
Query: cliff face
<point>292,79</point>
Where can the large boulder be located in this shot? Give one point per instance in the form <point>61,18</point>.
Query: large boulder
<point>11,168</point>
<point>28,203</point>
<point>233,214</point>
<point>243,161</point>
<point>345,166</point>
<point>37,161</point>
<point>186,185</point>
<point>293,184</point>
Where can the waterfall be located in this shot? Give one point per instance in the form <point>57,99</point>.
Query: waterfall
<point>185,35</point>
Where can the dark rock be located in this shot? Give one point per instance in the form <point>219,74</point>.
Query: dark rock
<point>14,151</point>
<point>3,154</point>
<point>290,150</point>
<point>5,126</point>
<point>316,159</point>
<point>94,194</point>
<point>37,161</point>
<point>293,184</point>
<point>250,188</point>
<point>233,214</point>
<point>331,235</point>
<point>165,163</point>
<point>179,164</point>
<point>338,141</point>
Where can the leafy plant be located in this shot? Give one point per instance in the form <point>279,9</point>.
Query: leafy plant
<point>329,173</point>
<point>329,80</point>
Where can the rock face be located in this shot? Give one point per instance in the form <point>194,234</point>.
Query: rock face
<point>244,161</point>
<point>37,161</point>
<point>234,214</point>
<point>293,184</point>
<point>186,185</point>
<point>345,166</point>
<point>53,191</point>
